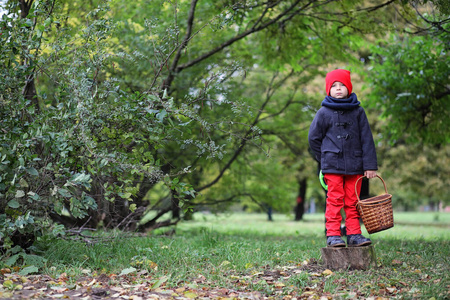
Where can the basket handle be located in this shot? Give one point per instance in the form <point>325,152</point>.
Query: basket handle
<point>356,184</point>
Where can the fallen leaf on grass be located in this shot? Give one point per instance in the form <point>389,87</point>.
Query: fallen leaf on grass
<point>190,295</point>
<point>248,265</point>
<point>63,277</point>
<point>161,280</point>
<point>6,295</point>
<point>327,272</point>
<point>5,271</point>
<point>59,289</point>
<point>92,282</point>
<point>425,277</point>
<point>391,290</point>
<point>225,263</point>
<point>127,271</point>
<point>200,279</point>
<point>8,284</point>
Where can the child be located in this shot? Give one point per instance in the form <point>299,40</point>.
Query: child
<point>341,140</point>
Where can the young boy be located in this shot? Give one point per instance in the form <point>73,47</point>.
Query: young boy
<point>342,142</point>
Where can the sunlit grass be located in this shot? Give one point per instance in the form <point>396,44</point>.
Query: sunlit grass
<point>406,225</point>
<point>224,247</point>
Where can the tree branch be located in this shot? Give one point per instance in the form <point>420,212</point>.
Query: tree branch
<point>182,46</point>
<point>235,39</point>
<point>245,138</point>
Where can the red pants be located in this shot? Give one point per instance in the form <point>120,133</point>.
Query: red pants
<point>341,194</point>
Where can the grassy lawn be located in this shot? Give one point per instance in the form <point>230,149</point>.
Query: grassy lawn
<point>232,256</point>
<point>406,225</point>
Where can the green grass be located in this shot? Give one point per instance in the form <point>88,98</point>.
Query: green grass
<point>233,250</point>
<point>406,225</point>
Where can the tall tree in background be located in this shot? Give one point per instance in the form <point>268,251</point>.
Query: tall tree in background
<point>408,75</point>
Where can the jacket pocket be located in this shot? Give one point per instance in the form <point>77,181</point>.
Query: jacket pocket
<point>330,159</point>
<point>358,161</point>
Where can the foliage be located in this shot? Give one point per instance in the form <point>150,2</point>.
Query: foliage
<point>27,263</point>
<point>83,137</point>
<point>409,83</point>
<point>418,174</point>
<point>407,74</point>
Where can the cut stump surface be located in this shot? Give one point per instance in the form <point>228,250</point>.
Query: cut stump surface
<point>353,258</point>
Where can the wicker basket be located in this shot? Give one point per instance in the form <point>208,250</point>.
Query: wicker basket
<point>376,212</point>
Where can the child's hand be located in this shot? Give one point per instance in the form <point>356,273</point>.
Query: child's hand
<point>370,174</point>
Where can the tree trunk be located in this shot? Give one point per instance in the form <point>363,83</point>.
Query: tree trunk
<point>300,207</point>
<point>269,213</point>
<point>29,90</point>
<point>176,211</point>
<point>353,258</point>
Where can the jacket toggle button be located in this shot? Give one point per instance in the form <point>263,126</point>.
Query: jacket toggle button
<point>345,136</point>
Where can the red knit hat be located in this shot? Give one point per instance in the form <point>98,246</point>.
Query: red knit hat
<point>341,76</point>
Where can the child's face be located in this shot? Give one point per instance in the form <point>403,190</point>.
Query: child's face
<point>338,90</point>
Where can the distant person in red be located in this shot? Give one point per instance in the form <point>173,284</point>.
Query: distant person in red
<point>341,140</point>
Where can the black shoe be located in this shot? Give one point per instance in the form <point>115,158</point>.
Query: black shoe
<point>357,240</point>
<point>335,241</point>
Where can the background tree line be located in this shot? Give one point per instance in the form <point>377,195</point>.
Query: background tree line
<point>131,115</point>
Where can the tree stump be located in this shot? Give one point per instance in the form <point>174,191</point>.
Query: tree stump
<point>353,258</point>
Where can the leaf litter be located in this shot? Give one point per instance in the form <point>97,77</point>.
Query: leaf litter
<point>255,283</point>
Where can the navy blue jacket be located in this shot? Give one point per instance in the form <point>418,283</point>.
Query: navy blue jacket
<point>341,139</point>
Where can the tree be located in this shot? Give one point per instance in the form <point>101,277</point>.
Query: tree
<point>127,104</point>
<point>408,79</point>
<point>409,82</point>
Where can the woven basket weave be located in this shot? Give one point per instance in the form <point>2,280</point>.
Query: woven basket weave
<point>376,212</point>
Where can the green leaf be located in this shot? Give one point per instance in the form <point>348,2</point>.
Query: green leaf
<point>32,171</point>
<point>28,270</point>
<point>81,177</point>
<point>20,194</point>
<point>33,196</point>
<point>161,115</point>
<point>13,204</point>
<point>12,260</point>
<point>125,195</point>
<point>23,183</point>
<point>64,193</point>
<point>160,282</point>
